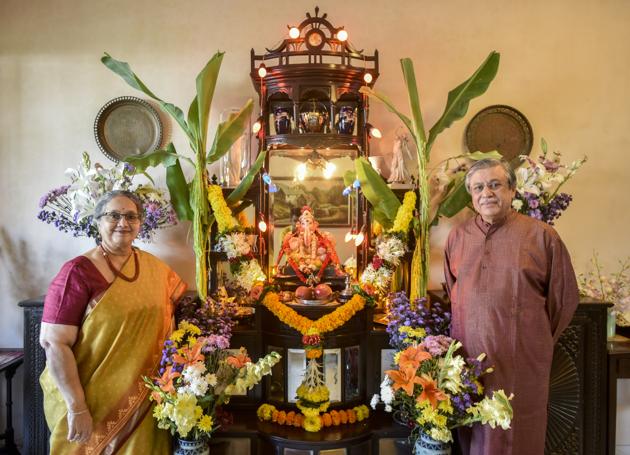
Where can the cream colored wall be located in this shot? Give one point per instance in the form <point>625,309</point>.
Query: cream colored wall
<point>565,65</point>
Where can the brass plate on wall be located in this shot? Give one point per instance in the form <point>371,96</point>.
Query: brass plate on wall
<point>127,126</point>
<point>500,128</point>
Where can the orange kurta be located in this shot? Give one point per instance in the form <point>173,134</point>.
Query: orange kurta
<point>119,341</point>
<point>513,291</point>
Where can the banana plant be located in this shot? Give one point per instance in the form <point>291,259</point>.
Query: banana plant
<point>456,107</point>
<point>190,199</point>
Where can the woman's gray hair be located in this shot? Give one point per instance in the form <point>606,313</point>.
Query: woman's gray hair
<point>107,197</point>
<point>489,163</point>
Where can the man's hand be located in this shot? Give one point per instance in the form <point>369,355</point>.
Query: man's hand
<point>79,426</point>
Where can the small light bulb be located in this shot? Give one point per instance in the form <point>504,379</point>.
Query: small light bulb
<point>294,32</point>
<point>256,127</point>
<point>300,171</point>
<point>329,170</point>
<point>349,236</point>
<point>262,226</point>
<point>367,77</point>
<point>342,35</point>
<point>375,132</point>
<point>358,240</point>
<point>262,70</point>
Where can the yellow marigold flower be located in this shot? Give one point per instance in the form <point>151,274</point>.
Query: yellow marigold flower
<point>312,423</point>
<point>405,213</point>
<point>265,411</point>
<point>205,423</point>
<point>377,228</point>
<point>396,357</point>
<point>177,336</point>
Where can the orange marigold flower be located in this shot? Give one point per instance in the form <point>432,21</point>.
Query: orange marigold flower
<point>430,391</point>
<point>405,379</point>
<point>343,416</point>
<point>282,417</point>
<point>313,353</point>
<point>352,416</point>
<point>334,415</point>
<point>290,417</point>
<point>298,421</point>
<point>413,356</point>
<point>274,415</point>
<point>327,419</point>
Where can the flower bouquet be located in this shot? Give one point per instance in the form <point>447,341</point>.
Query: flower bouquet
<point>432,387</point>
<point>614,288</point>
<point>538,183</point>
<point>435,389</point>
<point>197,375</point>
<point>70,208</point>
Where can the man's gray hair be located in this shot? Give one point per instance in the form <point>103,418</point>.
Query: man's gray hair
<point>107,197</point>
<point>489,163</point>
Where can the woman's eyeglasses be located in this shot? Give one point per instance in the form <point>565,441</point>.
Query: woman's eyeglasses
<point>115,217</point>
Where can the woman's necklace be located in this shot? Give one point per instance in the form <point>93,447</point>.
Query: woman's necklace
<point>117,272</point>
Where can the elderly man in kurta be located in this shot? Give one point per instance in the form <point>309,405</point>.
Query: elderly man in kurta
<point>513,291</point>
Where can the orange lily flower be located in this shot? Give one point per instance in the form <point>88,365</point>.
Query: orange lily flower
<point>405,379</point>
<point>239,360</point>
<point>166,381</point>
<point>430,391</point>
<point>413,356</point>
<point>189,356</point>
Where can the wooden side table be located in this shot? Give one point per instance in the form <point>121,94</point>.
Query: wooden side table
<point>10,360</point>
<point>618,368</point>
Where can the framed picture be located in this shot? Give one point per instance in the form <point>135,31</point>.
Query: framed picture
<point>324,196</point>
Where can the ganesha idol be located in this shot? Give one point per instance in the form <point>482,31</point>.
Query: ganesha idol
<point>310,255</point>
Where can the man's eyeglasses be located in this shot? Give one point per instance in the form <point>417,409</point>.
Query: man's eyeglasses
<point>492,186</point>
<point>115,217</point>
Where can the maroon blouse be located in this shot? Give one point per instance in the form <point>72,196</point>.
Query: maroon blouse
<point>76,284</point>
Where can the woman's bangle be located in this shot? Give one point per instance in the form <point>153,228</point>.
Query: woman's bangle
<point>76,413</point>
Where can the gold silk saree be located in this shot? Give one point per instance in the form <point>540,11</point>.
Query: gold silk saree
<point>119,341</point>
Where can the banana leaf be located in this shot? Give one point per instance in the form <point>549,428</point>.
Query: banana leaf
<point>124,70</point>
<point>388,103</point>
<point>229,131</point>
<point>241,190</point>
<point>414,101</point>
<point>383,200</point>
<point>349,177</point>
<point>206,83</point>
<point>459,98</point>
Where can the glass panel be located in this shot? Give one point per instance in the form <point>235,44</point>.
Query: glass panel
<point>332,373</point>
<point>351,364</point>
<point>296,363</point>
<point>276,380</point>
<point>298,452</point>
<point>334,212</point>
<point>387,361</point>
<point>333,452</point>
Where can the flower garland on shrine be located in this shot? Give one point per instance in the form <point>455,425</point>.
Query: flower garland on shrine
<point>313,394</point>
<point>390,249</point>
<point>268,412</point>
<point>232,240</point>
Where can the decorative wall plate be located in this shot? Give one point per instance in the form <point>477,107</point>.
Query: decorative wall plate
<point>127,126</point>
<point>500,128</point>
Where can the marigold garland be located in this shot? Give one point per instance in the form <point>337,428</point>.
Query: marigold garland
<point>326,323</point>
<point>404,214</point>
<point>222,212</point>
<point>269,413</point>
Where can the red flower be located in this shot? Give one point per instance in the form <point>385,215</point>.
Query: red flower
<point>377,262</point>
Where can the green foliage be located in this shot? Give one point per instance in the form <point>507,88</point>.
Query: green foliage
<point>384,202</point>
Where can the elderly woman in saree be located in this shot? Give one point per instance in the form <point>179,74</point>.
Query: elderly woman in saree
<point>106,315</point>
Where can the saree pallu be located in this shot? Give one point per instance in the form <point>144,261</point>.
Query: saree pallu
<point>119,341</point>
